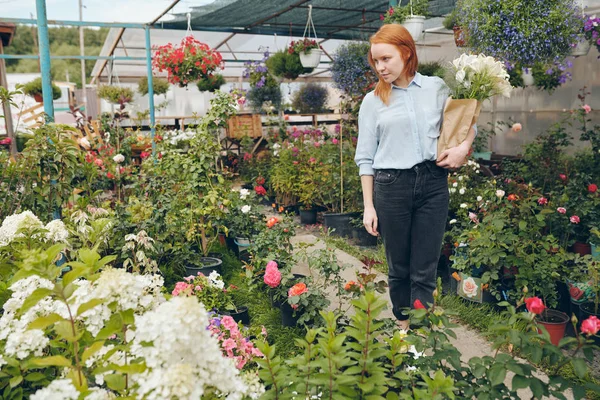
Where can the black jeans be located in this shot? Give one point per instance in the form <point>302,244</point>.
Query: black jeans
<point>412,207</point>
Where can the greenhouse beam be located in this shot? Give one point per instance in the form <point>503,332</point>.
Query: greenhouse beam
<point>150,90</point>
<point>74,23</point>
<point>44,47</point>
<point>74,57</point>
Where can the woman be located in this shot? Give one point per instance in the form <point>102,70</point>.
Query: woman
<point>404,181</point>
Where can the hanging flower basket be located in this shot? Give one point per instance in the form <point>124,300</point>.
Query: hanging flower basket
<point>311,58</point>
<point>459,36</point>
<point>582,48</point>
<point>188,62</point>
<point>414,25</point>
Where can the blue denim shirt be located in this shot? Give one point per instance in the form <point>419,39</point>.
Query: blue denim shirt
<point>404,133</point>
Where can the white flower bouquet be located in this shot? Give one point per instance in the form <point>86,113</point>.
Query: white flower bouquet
<point>471,79</point>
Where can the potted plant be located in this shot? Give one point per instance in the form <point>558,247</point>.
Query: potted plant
<point>116,94</point>
<point>554,321</point>
<point>187,62</point>
<point>522,32</point>
<point>590,308</point>
<point>548,77</point>
<point>451,22</point>
<point>432,68</point>
<point>351,72</point>
<point>411,15</point>
<point>210,83</point>
<point>310,98</point>
<point>159,85</point>
<point>308,50</point>
<point>34,89</point>
<point>591,29</point>
<point>286,64</point>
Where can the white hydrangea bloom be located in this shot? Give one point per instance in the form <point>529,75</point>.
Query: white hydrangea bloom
<point>254,384</point>
<point>59,389</point>
<point>11,224</point>
<point>57,231</point>
<point>177,365</point>
<point>100,394</point>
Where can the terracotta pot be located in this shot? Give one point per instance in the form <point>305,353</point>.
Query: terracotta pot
<point>582,248</point>
<point>555,323</point>
<point>38,97</point>
<point>459,36</point>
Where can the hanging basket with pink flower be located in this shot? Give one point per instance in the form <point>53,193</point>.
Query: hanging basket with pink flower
<point>190,61</point>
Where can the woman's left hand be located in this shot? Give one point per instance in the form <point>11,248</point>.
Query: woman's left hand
<point>453,158</point>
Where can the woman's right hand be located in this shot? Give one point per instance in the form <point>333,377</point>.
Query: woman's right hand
<point>370,220</point>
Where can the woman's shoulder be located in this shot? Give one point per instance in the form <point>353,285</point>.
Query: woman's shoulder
<point>370,100</point>
<point>433,82</point>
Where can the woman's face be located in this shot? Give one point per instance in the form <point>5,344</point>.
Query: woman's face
<point>388,62</point>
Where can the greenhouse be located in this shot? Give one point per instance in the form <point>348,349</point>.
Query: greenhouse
<point>300,199</point>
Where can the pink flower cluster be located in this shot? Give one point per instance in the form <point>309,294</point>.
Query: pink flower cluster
<point>184,289</point>
<point>233,343</point>
<point>272,275</point>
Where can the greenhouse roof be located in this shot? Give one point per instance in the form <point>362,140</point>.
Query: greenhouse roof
<point>242,29</point>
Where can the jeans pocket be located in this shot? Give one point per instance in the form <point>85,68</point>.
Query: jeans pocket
<point>386,177</point>
<point>437,172</point>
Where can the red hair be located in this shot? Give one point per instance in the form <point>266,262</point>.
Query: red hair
<point>398,36</point>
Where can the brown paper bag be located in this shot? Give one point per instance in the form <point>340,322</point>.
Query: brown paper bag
<point>459,117</point>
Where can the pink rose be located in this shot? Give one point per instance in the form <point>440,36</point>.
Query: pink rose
<point>535,305</point>
<point>561,210</point>
<point>586,108</point>
<point>469,287</point>
<point>334,141</point>
<point>574,219</point>
<point>542,201</point>
<point>562,177</point>
<point>517,127</point>
<point>98,162</point>
<point>272,275</point>
<point>590,326</point>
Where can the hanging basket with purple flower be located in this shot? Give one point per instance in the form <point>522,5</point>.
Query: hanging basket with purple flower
<point>591,30</point>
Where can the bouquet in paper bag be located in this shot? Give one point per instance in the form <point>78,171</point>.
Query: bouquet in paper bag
<point>471,79</point>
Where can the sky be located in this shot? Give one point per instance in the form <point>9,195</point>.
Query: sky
<point>96,10</point>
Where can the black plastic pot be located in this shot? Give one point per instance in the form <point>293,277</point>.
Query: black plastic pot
<point>363,237</point>
<point>308,217</point>
<point>287,315</point>
<point>209,264</point>
<point>242,315</point>
<point>340,223</point>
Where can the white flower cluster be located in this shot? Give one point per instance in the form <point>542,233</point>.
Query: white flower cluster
<point>254,385</point>
<point>175,136</point>
<point>216,280</point>
<point>59,389</point>
<point>489,75</point>
<point>244,193</point>
<point>20,341</point>
<point>184,359</point>
<point>128,291</point>
<point>100,394</point>
<point>27,221</point>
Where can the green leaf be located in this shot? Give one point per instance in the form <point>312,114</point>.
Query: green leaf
<point>537,387</point>
<point>580,367</point>
<point>91,350</point>
<point>76,272</point>
<point>520,382</point>
<point>44,322</point>
<point>57,361</point>
<point>496,374</point>
<point>522,225</point>
<point>35,376</point>
<point>15,381</point>
<point>34,298</point>
<point>65,330</point>
<point>115,381</point>
<point>89,305</point>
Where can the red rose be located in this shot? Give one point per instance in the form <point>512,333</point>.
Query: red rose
<point>563,177</point>
<point>110,176</point>
<point>6,141</point>
<point>592,188</point>
<point>418,305</point>
<point>144,154</point>
<point>590,326</point>
<point>260,190</point>
<point>511,197</point>
<point>260,180</point>
<point>535,305</point>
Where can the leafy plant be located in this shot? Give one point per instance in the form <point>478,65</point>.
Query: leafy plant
<point>265,96</point>
<point>116,94</point>
<point>350,70</point>
<point>310,98</point>
<point>159,85</point>
<point>432,68</point>
<point>286,65</point>
<point>211,83</point>
<point>34,87</point>
<point>303,46</point>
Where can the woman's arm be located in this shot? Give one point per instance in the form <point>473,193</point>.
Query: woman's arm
<point>369,215</point>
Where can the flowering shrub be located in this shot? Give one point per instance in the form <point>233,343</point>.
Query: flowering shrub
<point>350,70</point>
<point>210,290</point>
<point>233,344</point>
<point>591,29</point>
<point>549,77</point>
<point>188,62</point>
<point>303,46</point>
<point>523,32</point>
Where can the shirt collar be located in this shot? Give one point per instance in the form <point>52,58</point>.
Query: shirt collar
<point>416,81</point>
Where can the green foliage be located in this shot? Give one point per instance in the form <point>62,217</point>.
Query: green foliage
<point>211,83</point>
<point>451,20</point>
<point>159,85</point>
<point>115,94</point>
<point>267,95</point>
<point>285,65</point>
<point>310,98</point>
<point>432,68</point>
<point>35,88</point>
